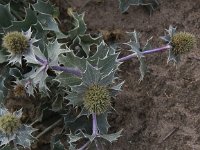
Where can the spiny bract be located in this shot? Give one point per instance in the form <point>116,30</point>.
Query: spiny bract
<point>15,42</point>
<point>182,42</point>
<point>9,123</point>
<point>97,99</point>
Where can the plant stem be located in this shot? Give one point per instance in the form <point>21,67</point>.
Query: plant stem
<point>74,71</point>
<point>94,131</point>
<point>71,70</point>
<point>94,125</point>
<point>40,60</point>
<point>49,128</point>
<point>145,52</point>
<point>77,72</point>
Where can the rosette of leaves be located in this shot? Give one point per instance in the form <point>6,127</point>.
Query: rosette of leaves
<point>137,50</point>
<point>180,42</point>
<point>11,129</point>
<point>93,95</point>
<point>125,4</point>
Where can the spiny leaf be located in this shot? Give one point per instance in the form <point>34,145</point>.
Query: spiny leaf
<point>75,99</point>
<point>39,76</point>
<point>87,40</point>
<point>108,64</point>
<point>136,48</point>
<point>102,123</point>
<point>44,7</point>
<point>172,57</point>
<point>41,35</point>
<point>91,75</point>
<point>70,60</point>
<point>115,89</point>
<point>24,25</point>
<point>167,39</point>
<point>66,80</point>
<point>112,137</point>
<point>79,25</point>
<point>5,16</point>
<point>125,4</point>
<point>48,23</point>
<point>24,137</point>
<point>171,31</point>
<point>54,50</point>
<point>102,52</point>
<point>107,79</point>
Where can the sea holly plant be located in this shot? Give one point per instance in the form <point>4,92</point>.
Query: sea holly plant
<point>73,75</point>
<point>94,95</point>
<point>11,129</point>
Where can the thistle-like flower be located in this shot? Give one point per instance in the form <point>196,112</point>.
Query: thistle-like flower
<point>11,129</point>
<point>19,44</point>
<point>95,91</point>
<point>97,99</point>
<point>182,42</point>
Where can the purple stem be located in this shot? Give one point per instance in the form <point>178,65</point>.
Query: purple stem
<point>40,60</point>
<point>145,52</point>
<point>94,125</point>
<point>78,72</point>
<point>74,71</point>
<point>94,131</point>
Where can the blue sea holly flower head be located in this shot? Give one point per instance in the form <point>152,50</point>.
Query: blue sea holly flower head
<point>19,44</point>
<point>11,129</point>
<point>96,90</point>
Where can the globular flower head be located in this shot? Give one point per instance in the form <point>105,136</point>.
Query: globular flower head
<point>182,42</point>
<point>9,123</point>
<point>97,88</point>
<point>11,129</point>
<point>19,44</point>
<point>97,99</point>
<point>16,42</point>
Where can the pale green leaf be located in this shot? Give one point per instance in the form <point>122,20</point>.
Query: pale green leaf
<point>91,75</point>
<point>112,137</point>
<point>79,26</point>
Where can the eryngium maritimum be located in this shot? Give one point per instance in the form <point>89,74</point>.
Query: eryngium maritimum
<point>15,42</point>
<point>19,44</point>
<point>182,42</point>
<point>9,123</point>
<point>97,99</point>
<point>11,129</point>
